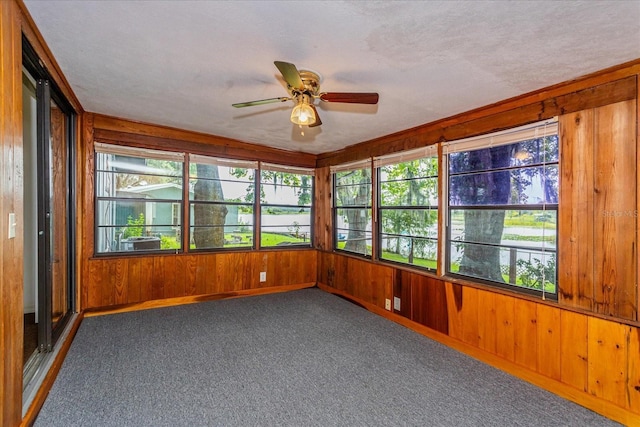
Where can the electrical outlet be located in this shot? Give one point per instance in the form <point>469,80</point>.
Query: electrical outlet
<point>396,303</point>
<point>387,304</point>
<point>263,276</point>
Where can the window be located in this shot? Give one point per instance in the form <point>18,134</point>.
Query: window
<point>286,195</point>
<point>221,195</point>
<point>503,205</point>
<point>352,207</point>
<point>175,214</point>
<point>408,207</point>
<point>136,190</point>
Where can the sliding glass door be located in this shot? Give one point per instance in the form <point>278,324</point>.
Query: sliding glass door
<point>49,215</point>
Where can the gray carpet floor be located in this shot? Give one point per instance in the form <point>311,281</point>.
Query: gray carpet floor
<point>302,358</point>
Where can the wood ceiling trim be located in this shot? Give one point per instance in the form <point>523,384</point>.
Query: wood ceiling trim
<point>112,129</point>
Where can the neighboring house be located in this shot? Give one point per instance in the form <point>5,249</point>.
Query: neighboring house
<point>164,217</point>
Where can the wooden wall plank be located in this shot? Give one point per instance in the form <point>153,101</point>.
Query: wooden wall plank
<point>487,336</point>
<point>573,349</point>
<point>429,302</point>
<point>575,222</point>
<point>120,281</point>
<point>633,362</point>
<point>454,310</point>
<point>615,209</point>
<point>549,344</point>
<point>86,174</point>
<point>505,333</point>
<point>11,201</point>
<point>405,286</point>
<point>470,334</point>
<point>608,369</point>
<point>526,334</point>
<point>323,218</point>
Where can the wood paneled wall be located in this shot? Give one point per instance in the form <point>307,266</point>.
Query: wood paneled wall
<point>11,282</point>
<point>136,279</point>
<point>597,253</point>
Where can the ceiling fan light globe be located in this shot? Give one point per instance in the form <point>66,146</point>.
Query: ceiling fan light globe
<point>303,115</point>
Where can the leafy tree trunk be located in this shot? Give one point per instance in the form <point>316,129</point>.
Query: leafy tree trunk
<point>356,239</point>
<point>485,225</point>
<point>207,215</point>
<point>482,261</point>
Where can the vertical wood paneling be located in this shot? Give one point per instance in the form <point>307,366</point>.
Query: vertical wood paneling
<point>323,222</point>
<point>11,189</point>
<point>403,288</point>
<point>487,321</point>
<point>454,309</point>
<point>86,174</point>
<point>615,222</point>
<point>573,349</point>
<point>526,334</point>
<point>608,363</point>
<point>205,275</point>
<point>505,334</point>
<point>633,358</point>
<point>575,222</point>
<point>549,344</point>
<point>120,281</point>
<point>188,265</point>
<point>470,316</point>
<point>429,302</point>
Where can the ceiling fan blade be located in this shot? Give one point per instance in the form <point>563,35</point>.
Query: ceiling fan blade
<point>350,97</point>
<point>291,74</point>
<point>318,122</point>
<point>260,102</point>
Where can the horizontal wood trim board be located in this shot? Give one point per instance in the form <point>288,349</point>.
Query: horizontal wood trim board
<point>111,129</point>
<point>168,302</point>
<point>568,392</point>
<point>475,123</point>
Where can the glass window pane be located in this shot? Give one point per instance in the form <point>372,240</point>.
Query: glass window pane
<point>425,167</point>
<point>121,212</point>
<point>281,188</point>
<point>110,184</point>
<point>409,192</point>
<point>358,176</point>
<point>285,226</point>
<point>216,225</point>
<point>523,153</point>
<point>221,183</point>
<point>518,267</point>
<point>525,228</point>
<point>353,230</point>
<point>523,186</point>
<point>417,251</point>
<point>353,195</point>
<point>150,225</point>
<point>410,222</point>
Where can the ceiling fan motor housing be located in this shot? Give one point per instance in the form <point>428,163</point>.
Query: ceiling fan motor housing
<point>311,82</point>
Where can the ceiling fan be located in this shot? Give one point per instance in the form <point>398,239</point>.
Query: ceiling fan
<point>304,88</point>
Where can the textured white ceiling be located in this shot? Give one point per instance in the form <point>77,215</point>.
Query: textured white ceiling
<point>183,63</point>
